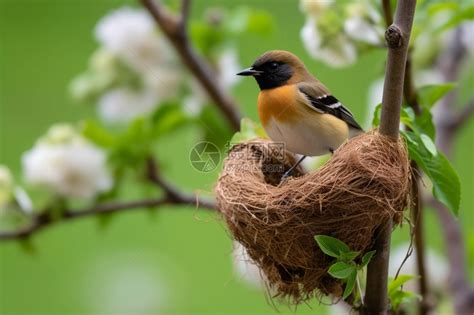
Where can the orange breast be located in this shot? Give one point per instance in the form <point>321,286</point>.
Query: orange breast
<point>279,103</point>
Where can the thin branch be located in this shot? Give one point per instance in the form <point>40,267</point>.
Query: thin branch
<point>462,117</point>
<point>185,8</point>
<point>172,196</point>
<point>409,89</point>
<point>426,303</point>
<point>175,30</point>
<point>447,126</point>
<point>387,12</point>
<point>171,192</point>
<point>397,37</point>
<point>46,218</point>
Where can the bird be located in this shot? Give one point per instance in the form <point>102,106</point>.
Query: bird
<point>296,109</point>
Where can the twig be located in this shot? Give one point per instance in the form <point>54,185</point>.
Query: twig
<point>175,29</point>
<point>448,122</point>
<point>426,303</point>
<point>171,192</point>
<point>172,196</point>
<point>387,12</point>
<point>459,287</point>
<point>46,218</point>
<point>458,120</point>
<point>397,37</point>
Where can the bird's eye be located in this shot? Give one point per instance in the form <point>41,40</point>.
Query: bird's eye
<point>274,65</point>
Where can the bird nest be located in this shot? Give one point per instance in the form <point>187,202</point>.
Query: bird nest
<point>366,182</point>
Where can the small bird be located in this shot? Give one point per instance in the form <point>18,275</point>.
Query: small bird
<point>297,109</point>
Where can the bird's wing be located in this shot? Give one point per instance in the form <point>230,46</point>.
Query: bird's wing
<point>320,100</point>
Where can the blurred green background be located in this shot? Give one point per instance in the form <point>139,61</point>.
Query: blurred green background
<point>178,260</point>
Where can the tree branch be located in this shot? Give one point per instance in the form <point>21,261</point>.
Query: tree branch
<point>397,37</point>
<point>175,29</point>
<point>417,213</point>
<point>185,8</point>
<point>171,192</point>
<point>172,196</point>
<point>447,126</point>
<point>458,120</point>
<point>46,218</point>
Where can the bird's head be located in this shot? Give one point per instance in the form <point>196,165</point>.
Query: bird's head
<point>276,68</point>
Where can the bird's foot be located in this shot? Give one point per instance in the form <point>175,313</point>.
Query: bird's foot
<point>286,175</point>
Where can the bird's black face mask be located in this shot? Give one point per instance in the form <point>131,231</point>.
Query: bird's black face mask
<point>269,75</point>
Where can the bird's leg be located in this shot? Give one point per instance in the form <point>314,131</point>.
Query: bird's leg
<point>288,173</point>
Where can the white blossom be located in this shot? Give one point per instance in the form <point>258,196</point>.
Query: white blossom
<point>125,104</point>
<point>132,35</point>
<point>339,52</point>
<point>67,164</point>
<point>360,29</point>
<point>246,269</point>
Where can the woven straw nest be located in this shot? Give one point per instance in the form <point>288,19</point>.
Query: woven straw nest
<point>366,181</point>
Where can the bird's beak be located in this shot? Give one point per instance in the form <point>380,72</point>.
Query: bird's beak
<point>250,72</point>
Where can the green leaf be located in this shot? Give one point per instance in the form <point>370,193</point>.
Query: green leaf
<point>396,294</point>
<point>206,36</point>
<point>395,284</point>
<point>429,144</point>
<point>331,246</point>
<point>446,184</point>
<point>246,20</point>
<point>260,22</point>
<point>367,257</point>
<point>376,118</point>
<point>341,270</point>
<point>429,94</point>
<point>401,297</point>
<point>167,118</point>
<point>425,123</point>
<point>350,284</point>
<point>463,14</point>
<point>350,256</point>
<point>248,130</point>
<point>436,8</point>
<point>97,134</point>
<point>216,129</point>
<point>407,117</point>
